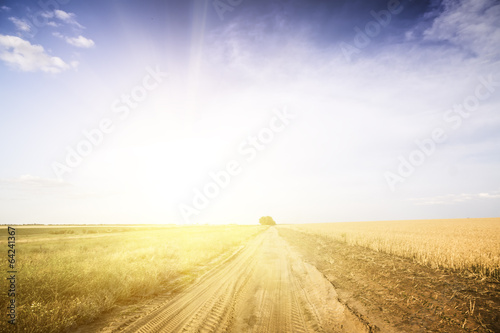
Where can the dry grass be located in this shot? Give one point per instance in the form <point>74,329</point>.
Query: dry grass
<point>66,282</point>
<point>470,246</point>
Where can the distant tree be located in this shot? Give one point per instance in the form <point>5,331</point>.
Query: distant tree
<point>267,220</point>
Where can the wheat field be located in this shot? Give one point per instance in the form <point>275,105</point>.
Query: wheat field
<point>470,246</point>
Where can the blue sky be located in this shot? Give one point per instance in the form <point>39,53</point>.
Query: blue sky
<point>225,111</point>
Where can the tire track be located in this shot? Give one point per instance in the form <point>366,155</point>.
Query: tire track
<point>265,288</point>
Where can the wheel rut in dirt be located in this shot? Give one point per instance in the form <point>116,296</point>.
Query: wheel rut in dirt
<point>266,287</point>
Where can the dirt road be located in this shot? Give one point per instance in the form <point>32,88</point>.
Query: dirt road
<point>265,287</point>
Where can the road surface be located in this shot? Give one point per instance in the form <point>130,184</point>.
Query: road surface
<point>265,287</point>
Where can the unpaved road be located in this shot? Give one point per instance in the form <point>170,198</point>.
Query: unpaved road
<point>265,287</point>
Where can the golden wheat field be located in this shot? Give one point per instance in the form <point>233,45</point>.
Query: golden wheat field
<point>468,245</point>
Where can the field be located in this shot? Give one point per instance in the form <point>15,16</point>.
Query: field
<point>410,276</point>
<point>393,276</point>
<point>469,246</point>
<point>70,275</point>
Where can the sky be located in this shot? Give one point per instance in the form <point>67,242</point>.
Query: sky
<point>195,112</point>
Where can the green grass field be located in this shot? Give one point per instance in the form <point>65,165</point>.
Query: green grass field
<point>67,276</point>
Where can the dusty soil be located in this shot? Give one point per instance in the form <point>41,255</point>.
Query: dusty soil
<point>265,287</point>
<point>394,294</point>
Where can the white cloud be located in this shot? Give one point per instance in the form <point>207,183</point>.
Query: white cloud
<point>79,41</point>
<point>48,14</point>
<point>20,24</point>
<point>33,181</point>
<point>27,57</point>
<point>490,195</point>
<point>37,189</point>
<point>5,9</point>
<point>68,18</point>
<point>452,199</point>
<point>30,187</point>
<point>471,25</point>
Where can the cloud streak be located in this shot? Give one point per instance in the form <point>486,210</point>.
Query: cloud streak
<point>33,182</point>
<point>454,199</point>
<point>21,25</point>
<point>69,18</point>
<point>80,41</point>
